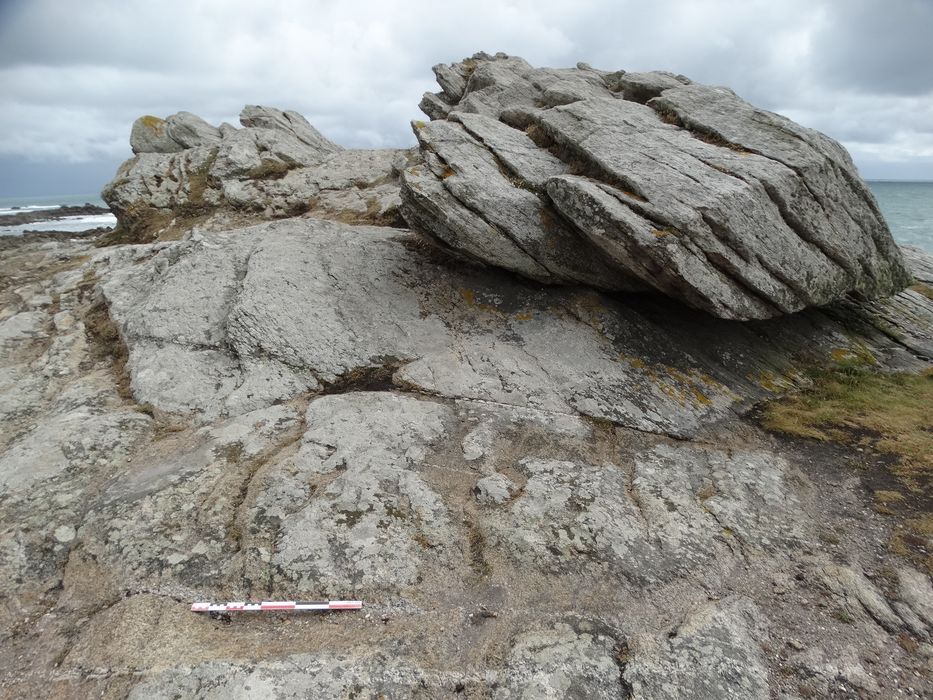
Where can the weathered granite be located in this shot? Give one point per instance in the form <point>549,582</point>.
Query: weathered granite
<point>626,181</point>
<point>537,490</point>
<point>187,172</point>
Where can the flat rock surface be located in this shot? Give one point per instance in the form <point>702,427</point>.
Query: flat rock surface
<point>537,491</point>
<point>298,372</point>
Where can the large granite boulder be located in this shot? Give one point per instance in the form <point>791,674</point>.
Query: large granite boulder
<point>175,133</point>
<point>644,181</point>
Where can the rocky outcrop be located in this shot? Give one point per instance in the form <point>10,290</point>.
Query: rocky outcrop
<point>187,172</point>
<point>198,316</point>
<point>173,134</point>
<point>630,181</point>
<point>538,490</point>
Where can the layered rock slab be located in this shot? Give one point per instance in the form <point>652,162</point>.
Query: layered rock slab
<point>210,334</point>
<point>647,180</point>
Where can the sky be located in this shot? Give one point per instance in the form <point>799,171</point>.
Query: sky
<point>74,75</point>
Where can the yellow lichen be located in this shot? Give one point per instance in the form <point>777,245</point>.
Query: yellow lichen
<point>154,123</point>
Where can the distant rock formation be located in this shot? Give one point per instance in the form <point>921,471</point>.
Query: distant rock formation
<point>188,172</point>
<point>644,180</point>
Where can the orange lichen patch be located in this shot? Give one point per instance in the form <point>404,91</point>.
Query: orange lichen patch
<point>632,195</point>
<point>593,303</point>
<point>687,387</point>
<point>700,397</point>
<point>469,296</point>
<point>547,220</point>
<point>447,172</point>
<point>523,316</point>
<point>154,123</point>
<point>769,381</point>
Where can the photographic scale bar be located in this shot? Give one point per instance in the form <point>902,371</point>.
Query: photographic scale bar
<point>277,605</point>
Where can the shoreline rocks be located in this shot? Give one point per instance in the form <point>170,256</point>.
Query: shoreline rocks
<point>188,173</point>
<point>35,216</point>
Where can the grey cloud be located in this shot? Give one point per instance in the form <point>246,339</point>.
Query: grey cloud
<point>877,47</point>
<point>75,75</point>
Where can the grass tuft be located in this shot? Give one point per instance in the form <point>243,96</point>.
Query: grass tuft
<point>892,409</point>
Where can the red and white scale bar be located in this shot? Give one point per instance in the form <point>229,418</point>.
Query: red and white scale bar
<point>278,605</point>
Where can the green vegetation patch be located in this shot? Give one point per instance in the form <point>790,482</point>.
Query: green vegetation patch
<point>891,411</point>
<point>852,402</point>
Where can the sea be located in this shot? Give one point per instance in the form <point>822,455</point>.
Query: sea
<point>907,207</point>
<point>73,224</point>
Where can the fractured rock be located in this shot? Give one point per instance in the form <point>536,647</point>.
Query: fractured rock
<point>714,653</point>
<point>631,181</point>
<point>187,172</point>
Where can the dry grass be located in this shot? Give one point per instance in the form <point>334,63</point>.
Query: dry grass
<point>891,410</point>
<point>911,540</point>
<point>923,289</point>
<point>852,402</point>
<point>105,343</point>
<point>270,169</point>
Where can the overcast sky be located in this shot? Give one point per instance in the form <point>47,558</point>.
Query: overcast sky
<point>74,75</point>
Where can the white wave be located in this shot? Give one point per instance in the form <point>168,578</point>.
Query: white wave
<point>6,211</point>
<point>72,224</point>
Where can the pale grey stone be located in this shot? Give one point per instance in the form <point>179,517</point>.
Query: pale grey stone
<point>714,653</point>
<point>150,135</point>
<point>561,663</point>
<point>674,511</point>
<point>916,590</point>
<point>697,194</point>
<point>277,165</point>
<point>494,489</point>
<point>641,87</point>
<point>72,440</point>
<point>202,316</point>
<point>472,175</point>
<point>256,116</point>
<point>859,595</point>
<point>825,670</point>
<point>189,130</point>
<point>364,527</point>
